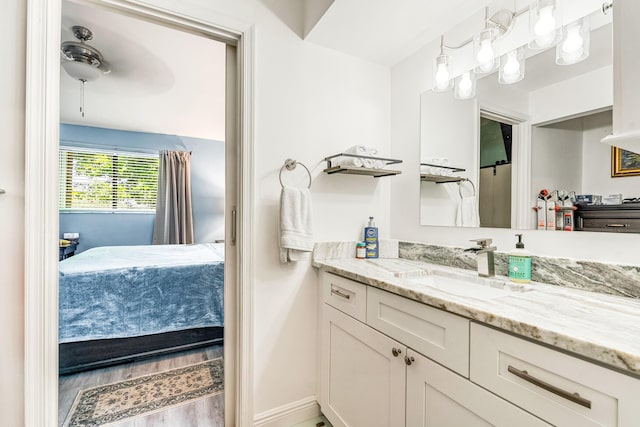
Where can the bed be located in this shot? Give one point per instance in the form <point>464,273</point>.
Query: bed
<point>122,303</point>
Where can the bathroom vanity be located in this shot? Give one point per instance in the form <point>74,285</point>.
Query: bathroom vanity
<point>406,343</point>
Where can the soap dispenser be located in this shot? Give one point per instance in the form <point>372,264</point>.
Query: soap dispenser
<point>520,263</point>
<point>371,239</point>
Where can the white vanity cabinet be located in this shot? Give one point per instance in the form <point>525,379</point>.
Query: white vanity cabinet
<point>363,374</point>
<point>555,386</point>
<point>369,378</point>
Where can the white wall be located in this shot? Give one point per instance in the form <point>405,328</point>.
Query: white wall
<point>311,102</point>
<point>556,157</point>
<point>12,86</point>
<point>596,178</point>
<point>409,79</point>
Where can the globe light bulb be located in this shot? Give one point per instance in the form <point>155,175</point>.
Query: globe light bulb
<point>544,29</point>
<point>511,69</point>
<point>485,56</point>
<point>572,47</point>
<point>442,77</point>
<point>465,86</point>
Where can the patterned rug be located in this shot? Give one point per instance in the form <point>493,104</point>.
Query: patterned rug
<point>116,402</point>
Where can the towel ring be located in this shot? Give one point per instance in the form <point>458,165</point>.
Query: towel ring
<point>460,187</point>
<point>290,165</point>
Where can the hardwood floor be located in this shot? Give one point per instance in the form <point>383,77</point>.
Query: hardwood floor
<point>207,412</point>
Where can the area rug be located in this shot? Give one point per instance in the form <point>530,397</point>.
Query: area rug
<point>116,402</point>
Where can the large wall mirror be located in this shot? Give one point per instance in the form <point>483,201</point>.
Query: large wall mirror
<point>484,160</point>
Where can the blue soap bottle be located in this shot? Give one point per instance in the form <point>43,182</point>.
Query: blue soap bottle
<point>371,239</point>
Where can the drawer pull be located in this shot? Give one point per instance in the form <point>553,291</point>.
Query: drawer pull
<point>574,397</point>
<point>340,294</point>
<point>618,225</point>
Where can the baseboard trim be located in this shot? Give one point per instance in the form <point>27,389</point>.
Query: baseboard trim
<point>289,414</point>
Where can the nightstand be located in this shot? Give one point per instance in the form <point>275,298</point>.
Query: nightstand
<point>67,251</point>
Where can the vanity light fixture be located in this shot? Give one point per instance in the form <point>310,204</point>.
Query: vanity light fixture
<point>465,85</point>
<point>543,24</point>
<point>571,41</point>
<point>442,70</point>
<point>511,67</point>
<point>576,39</point>
<point>484,53</point>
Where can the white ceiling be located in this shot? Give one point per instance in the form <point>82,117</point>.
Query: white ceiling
<point>162,80</point>
<point>171,82</point>
<point>386,31</point>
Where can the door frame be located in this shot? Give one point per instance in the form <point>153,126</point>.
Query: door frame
<point>521,216</point>
<point>42,119</point>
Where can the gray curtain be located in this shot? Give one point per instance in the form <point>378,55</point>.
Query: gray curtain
<point>174,216</point>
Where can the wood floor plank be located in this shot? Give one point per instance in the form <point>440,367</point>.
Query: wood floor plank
<point>208,412</point>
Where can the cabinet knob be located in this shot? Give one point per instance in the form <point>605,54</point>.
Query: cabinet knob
<point>409,360</point>
<point>396,351</point>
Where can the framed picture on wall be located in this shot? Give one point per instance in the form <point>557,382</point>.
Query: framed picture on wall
<point>624,163</point>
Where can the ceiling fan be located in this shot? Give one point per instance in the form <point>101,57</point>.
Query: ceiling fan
<point>81,61</point>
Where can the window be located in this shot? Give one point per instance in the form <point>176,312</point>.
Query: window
<point>102,180</point>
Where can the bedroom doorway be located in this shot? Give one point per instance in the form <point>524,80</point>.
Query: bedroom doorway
<point>142,217</point>
<point>40,332</point>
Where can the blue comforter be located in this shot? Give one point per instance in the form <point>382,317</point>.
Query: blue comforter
<point>126,291</point>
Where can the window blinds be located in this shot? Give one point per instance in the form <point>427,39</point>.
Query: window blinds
<point>103,180</point>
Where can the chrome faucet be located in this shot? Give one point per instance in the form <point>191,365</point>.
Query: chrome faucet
<point>485,258</point>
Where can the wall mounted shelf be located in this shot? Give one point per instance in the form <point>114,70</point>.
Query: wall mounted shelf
<point>454,169</point>
<point>357,170</point>
<point>440,179</point>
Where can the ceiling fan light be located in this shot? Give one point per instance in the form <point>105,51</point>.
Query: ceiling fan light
<point>81,71</point>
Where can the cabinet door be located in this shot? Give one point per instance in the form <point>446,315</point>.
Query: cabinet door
<point>362,382</point>
<point>437,397</point>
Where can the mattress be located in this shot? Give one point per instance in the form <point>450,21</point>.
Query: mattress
<point>127,291</point>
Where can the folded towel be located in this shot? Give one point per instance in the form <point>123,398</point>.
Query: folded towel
<point>357,149</point>
<point>348,161</point>
<point>379,164</point>
<point>468,214</point>
<point>371,151</point>
<point>368,163</point>
<point>296,239</point>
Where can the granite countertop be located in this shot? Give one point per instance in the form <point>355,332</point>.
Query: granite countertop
<point>600,327</point>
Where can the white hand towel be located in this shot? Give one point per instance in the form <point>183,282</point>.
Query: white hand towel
<point>348,161</point>
<point>368,163</point>
<point>357,149</point>
<point>468,214</point>
<point>371,151</point>
<point>296,239</point>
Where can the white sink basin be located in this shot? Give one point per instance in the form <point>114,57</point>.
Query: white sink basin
<point>454,281</point>
<point>469,285</point>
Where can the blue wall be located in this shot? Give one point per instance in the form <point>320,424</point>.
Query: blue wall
<point>110,229</point>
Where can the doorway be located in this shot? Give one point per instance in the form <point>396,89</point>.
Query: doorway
<point>128,283</point>
<point>41,285</point>
<point>496,147</point>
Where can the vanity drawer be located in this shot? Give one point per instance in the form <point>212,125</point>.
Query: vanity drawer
<point>346,295</point>
<point>441,336</point>
<point>559,388</point>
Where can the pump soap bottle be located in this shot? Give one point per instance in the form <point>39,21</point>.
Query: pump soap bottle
<point>520,263</point>
<point>371,239</point>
